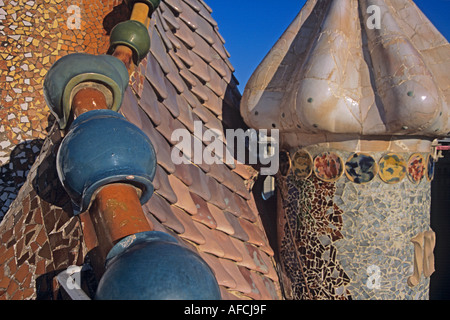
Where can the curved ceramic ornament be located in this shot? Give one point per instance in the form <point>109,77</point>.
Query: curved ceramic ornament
<point>361,168</point>
<point>302,164</point>
<point>430,168</point>
<point>392,168</point>
<point>416,168</point>
<point>328,166</point>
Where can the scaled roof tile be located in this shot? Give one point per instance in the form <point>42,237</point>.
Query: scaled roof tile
<point>150,104</point>
<point>258,280</point>
<point>222,276</point>
<point>235,223</point>
<point>212,244</point>
<point>185,35</point>
<point>156,77</point>
<point>203,214</point>
<point>184,199</point>
<point>233,270</point>
<point>191,232</point>
<point>230,250</point>
<point>165,188</point>
<point>255,292</point>
<point>219,217</point>
<point>163,212</point>
<point>200,187</point>
<point>175,5</point>
<point>256,235</point>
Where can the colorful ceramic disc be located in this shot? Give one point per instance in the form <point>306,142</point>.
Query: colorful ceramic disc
<point>302,164</point>
<point>285,163</point>
<point>361,168</point>
<point>392,168</point>
<point>328,166</point>
<point>416,168</point>
<point>430,168</point>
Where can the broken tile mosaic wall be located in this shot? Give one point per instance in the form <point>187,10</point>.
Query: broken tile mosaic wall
<point>33,35</point>
<point>350,240</point>
<point>39,238</point>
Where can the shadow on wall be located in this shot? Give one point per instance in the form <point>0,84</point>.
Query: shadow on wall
<point>14,173</point>
<point>440,223</point>
<point>119,14</point>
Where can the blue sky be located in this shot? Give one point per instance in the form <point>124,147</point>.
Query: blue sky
<point>251,27</point>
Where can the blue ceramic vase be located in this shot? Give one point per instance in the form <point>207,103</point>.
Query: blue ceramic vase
<point>154,266</point>
<point>102,147</point>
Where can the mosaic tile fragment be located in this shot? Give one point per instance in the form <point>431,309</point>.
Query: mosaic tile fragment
<point>285,162</point>
<point>416,168</point>
<point>361,168</point>
<point>328,166</point>
<point>302,164</point>
<point>430,168</point>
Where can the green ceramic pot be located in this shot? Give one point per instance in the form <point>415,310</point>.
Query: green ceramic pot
<point>133,34</point>
<point>105,72</point>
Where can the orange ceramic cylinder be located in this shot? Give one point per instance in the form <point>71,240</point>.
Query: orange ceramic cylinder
<point>140,12</point>
<point>88,99</point>
<point>118,209</point>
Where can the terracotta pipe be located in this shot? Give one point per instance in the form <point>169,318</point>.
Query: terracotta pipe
<point>118,207</point>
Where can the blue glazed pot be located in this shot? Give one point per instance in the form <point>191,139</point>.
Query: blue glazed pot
<point>153,266</point>
<point>105,72</point>
<point>102,147</point>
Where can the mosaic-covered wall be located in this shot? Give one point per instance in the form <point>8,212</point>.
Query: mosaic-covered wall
<point>347,221</point>
<point>33,36</point>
